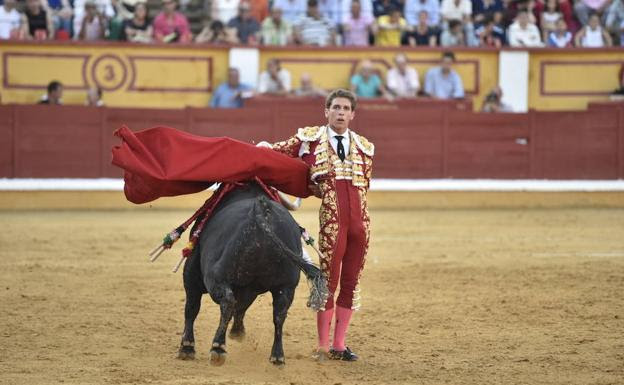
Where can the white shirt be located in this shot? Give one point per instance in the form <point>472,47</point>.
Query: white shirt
<point>452,11</point>
<point>8,22</point>
<point>346,140</point>
<point>224,10</point>
<point>403,84</point>
<point>529,37</point>
<point>267,84</point>
<point>592,38</point>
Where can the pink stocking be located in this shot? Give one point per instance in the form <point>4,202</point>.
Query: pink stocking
<point>323,324</point>
<point>343,316</point>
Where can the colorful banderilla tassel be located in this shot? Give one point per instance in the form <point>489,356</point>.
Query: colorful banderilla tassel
<point>167,242</point>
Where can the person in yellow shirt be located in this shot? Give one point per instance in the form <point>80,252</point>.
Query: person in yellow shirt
<point>389,29</point>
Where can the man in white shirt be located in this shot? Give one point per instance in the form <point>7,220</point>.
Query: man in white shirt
<point>10,19</point>
<point>402,80</point>
<point>275,80</point>
<point>523,33</point>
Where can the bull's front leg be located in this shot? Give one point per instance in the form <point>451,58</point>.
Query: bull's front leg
<point>194,290</point>
<point>227,304</point>
<point>282,298</point>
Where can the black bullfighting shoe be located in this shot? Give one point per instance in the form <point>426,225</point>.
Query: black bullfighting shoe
<point>344,355</point>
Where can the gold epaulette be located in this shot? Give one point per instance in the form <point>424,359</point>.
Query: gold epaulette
<point>310,134</point>
<point>367,147</point>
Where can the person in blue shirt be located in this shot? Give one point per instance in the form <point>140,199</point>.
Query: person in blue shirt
<point>442,82</point>
<point>231,93</point>
<point>367,84</point>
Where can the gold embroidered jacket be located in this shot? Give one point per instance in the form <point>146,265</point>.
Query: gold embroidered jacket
<point>312,144</point>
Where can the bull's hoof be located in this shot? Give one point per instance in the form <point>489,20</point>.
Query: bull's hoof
<point>186,351</point>
<point>217,355</point>
<point>238,335</point>
<point>277,361</point>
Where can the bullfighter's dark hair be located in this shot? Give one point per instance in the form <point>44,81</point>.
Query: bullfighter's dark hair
<point>341,93</point>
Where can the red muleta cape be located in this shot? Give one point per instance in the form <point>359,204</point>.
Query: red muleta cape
<point>163,161</point>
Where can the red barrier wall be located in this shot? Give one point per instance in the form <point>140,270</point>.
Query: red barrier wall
<point>421,140</point>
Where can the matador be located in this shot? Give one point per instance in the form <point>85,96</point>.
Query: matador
<point>340,164</point>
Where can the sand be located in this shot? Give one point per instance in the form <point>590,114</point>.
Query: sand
<point>457,296</point>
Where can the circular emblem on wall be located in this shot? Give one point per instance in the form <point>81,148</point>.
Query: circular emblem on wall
<point>109,72</point>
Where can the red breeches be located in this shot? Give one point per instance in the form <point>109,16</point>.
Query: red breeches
<point>348,256</point>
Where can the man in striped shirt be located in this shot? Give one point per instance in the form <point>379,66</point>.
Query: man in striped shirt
<point>313,29</point>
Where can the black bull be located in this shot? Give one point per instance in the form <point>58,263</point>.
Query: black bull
<point>249,246</point>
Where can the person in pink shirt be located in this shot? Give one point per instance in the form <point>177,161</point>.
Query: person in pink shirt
<point>357,26</point>
<point>171,26</point>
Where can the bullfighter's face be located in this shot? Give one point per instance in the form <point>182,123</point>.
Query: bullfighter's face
<point>339,114</point>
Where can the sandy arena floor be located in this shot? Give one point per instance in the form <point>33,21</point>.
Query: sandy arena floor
<point>471,296</point>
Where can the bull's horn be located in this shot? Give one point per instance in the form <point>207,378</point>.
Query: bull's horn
<point>291,206</point>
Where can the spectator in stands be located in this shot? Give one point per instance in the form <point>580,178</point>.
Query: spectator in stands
<point>214,32</point>
<point>483,8</point>
<point>313,29</point>
<point>367,84</point>
<point>382,7</point>
<point>614,20</point>
<point>357,26</point>
<point>275,30</point>
<point>138,29</point>
<point>453,35</point>
<point>456,10</point>
<point>61,12</point>
<point>442,82</point>
<point>171,26</point>
<point>275,80</point>
<point>10,21</point>
<point>54,94</point>
<point>246,27</point>
<point>488,34</point>
<point>224,10</point>
<point>523,33</point>
<point>104,7</point>
<point>337,11</point>
<point>500,28</point>
<point>560,37</point>
<point>460,10</point>
<point>292,10</point>
<point>308,89</point>
<point>413,8</point>
<point>494,102</point>
<point>549,18</point>
<point>390,29</point>
<point>93,24</point>
<point>94,97</point>
<point>422,34</point>
<point>593,34</point>
<point>585,8</point>
<point>402,80</point>
<point>231,93</point>
<point>38,23</point>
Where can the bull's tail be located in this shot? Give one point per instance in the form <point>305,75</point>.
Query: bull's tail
<point>317,281</point>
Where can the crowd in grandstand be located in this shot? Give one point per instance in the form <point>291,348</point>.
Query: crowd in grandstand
<point>401,81</point>
<point>486,23</point>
